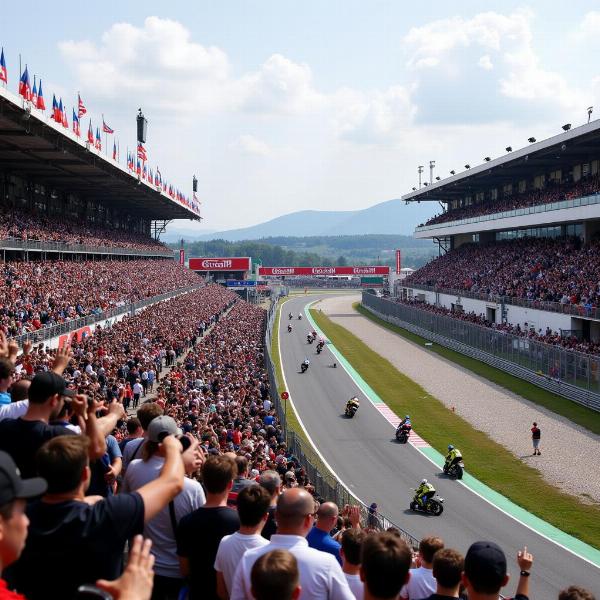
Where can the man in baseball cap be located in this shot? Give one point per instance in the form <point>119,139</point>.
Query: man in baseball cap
<point>161,427</point>
<point>14,491</point>
<point>485,570</point>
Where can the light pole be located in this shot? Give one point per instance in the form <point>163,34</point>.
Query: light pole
<point>431,167</point>
<point>590,110</point>
<point>420,169</point>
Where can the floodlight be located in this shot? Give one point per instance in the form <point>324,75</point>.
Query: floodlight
<point>452,172</point>
<point>509,148</point>
<point>437,178</point>
<point>487,159</point>
<point>566,126</point>
<point>531,140</point>
<point>467,166</point>
<point>414,189</point>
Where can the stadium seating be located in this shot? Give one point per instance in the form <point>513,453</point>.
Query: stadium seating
<point>551,193</point>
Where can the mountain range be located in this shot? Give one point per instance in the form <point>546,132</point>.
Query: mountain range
<point>389,217</point>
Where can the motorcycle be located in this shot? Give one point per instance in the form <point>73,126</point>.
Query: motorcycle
<point>434,506</point>
<point>289,329</point>
<point>303,367</point>
<point>310,339</point>
<point>402,434</point>
<point>350,410</point>
<point>320,346</point>
<point>456,470</point>
<point>290,316</point>
<point>299,317</point>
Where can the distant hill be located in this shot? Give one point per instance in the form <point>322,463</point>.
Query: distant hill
<point>390,217</point>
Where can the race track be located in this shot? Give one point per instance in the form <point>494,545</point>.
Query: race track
<point>366,458</point>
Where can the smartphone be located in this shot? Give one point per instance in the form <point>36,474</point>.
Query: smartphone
<point>91,592</point>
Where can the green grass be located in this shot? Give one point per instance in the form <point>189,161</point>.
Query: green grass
<point>486,460</point>
<point>590,419</point>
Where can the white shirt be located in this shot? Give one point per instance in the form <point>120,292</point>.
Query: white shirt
<point>160,528</point>
<point>422,584</point>
<point>137,388</point>
<point>132,448</point>
<point>14,410</point>
<point>321,576</point>
<point>356,585</point>
<point>267,405</point>
<point>231,549</point>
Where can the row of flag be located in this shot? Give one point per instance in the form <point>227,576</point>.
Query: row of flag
<point>136,162</point>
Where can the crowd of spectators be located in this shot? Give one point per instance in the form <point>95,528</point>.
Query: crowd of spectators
<point>202,472</point>
<point>44,293</point>
<point>553,192</point>
<point>23,225</point>
<point>548,336</point>
<point>561,270</point>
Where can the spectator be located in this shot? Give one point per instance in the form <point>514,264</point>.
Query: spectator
<point>168,580</point>
<point>486,573</point>
<point>574,592</point>
<point>210,523</point>
<point>448,566</point>
<point>88,537</point>
<point>19,390</point>
<point>321,576</point>
<point>241,480</point>
<point>146,413</point>
<point>422,582</point>
<point>352,540</point>
<point>6,378</point>
<point>536,436</point>
<point>134,431</point>
<point>271,481</point>
<point>385,563</point>
<point>14,492</point>
<point>318,537</point>
<point>105,470</point>
<point>252,506</point>
<point>275,576</point>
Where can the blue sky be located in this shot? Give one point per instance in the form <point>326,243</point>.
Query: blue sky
<point>280,106</point>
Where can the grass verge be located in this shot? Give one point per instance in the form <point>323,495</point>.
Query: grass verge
<point>486,460</point>
<point>576,413</point>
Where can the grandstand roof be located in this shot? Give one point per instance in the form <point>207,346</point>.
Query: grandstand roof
<point>31,144</point>
<point>572,147</point>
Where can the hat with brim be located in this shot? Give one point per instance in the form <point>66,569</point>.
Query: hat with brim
<point>12,487</point>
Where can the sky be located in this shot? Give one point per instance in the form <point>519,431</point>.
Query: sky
<point>278,106</point>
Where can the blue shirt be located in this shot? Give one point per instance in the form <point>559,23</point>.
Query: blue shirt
<point>5,398</point>
<point>269,420</point>
<point>321,540</point>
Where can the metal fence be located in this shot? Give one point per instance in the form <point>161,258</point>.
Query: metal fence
<point>47,333</point>
<point>326,485</point>
<point>576,310</point>
<point>574,375</point>
<point>66,248</point>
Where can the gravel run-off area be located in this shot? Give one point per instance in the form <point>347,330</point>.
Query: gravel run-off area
<point>570,453</point>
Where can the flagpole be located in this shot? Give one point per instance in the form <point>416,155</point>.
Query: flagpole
<point>20,73</point>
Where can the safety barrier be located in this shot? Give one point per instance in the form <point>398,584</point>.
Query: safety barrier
<point>324,481</point>
<point>573,375</point>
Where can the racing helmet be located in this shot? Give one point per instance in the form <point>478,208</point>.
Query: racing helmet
<point>423,481</point>
<point>450,447</point>
<point>407,416</point>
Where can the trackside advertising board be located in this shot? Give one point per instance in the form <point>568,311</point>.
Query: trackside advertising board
<point>235,263</point>
<point>278,271</point>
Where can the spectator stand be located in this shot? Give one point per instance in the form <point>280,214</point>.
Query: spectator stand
<point>568,373</point>
<point>327,487</point>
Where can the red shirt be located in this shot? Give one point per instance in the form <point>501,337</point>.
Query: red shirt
<point>6,594</point>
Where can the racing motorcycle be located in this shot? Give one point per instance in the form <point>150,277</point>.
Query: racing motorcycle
<point>310,339</point>
<point>303,367</point>
<point>456,470</point>
<point>320,347</point>
<point>433,506</point>
<point>350,410</point>
<point>289,329</point>
<point>402,433</point>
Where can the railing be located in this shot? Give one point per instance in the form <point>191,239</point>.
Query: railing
<point>571,374</point>
<point>47,333</point>
<point>576,310</point>
<point>518,212</point>
<point>64,247</point>
<point>327,487</point>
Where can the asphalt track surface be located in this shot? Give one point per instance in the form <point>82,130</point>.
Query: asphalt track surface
<point>364,455</point>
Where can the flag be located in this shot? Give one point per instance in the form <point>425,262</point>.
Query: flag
<point>55,113</point>
<point>144,172</point>
<point>34,93</point>
<point>106,128</point>
<point>141,152</point>
<point>81,110</point>
<point>59,112</point>
<point>3,72</point>
<point>90,138</point>
<point>40,98</point>
<point>24,87</point>
<point>114,150</point>
<point>139,167</point>
<point>98,143</point>
<point>76,129</point>
<point>64,121</point>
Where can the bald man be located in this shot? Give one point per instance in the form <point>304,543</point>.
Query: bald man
<point>321,577</point>
<point>318,537</point>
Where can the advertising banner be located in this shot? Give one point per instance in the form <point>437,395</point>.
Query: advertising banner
<point>312,271</point>
<point>220,264</point>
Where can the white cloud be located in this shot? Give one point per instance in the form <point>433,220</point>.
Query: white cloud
<point>589,28</point>
<point>248,144</point>
<point>485,62</point>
